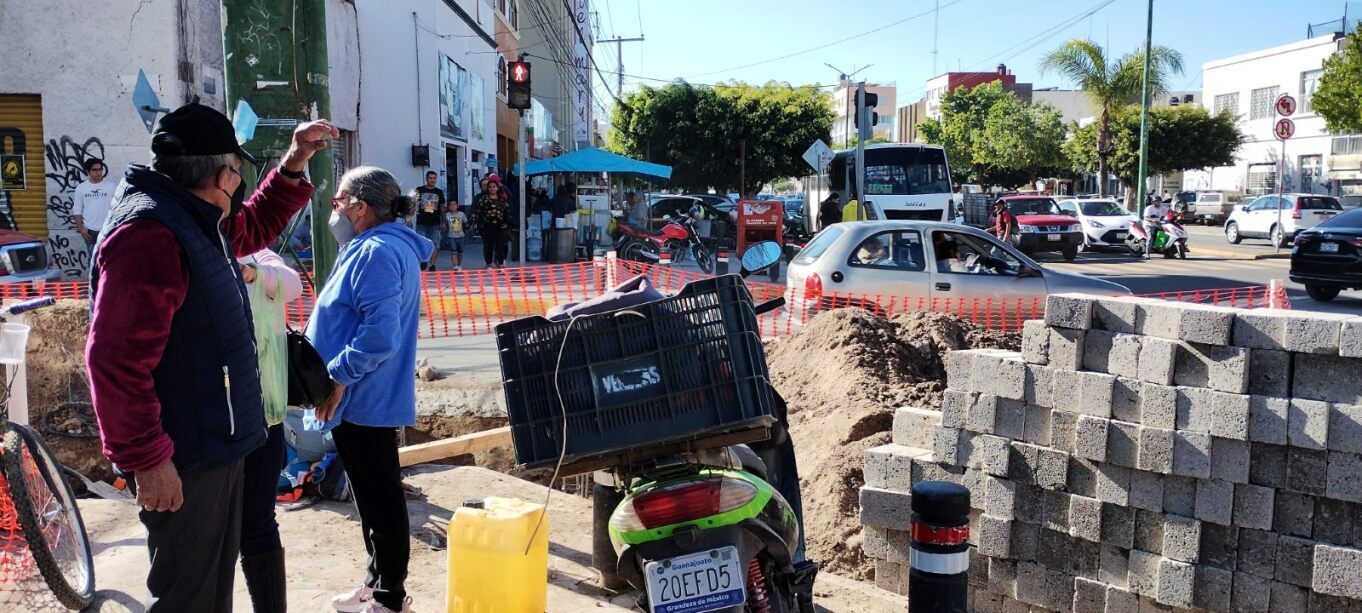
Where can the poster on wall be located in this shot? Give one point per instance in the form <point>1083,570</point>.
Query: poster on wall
<point>453,88</point>
<point>477,107</point>
<point>581,94</point>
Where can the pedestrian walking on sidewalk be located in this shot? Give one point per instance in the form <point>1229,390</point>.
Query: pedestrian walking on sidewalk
<point>457,224</point>
<point>493,216</point>
<point>364,328</point>
<point>430,219</point>
<point>171,355</point>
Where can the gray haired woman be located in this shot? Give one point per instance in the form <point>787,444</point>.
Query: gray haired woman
<point>364,327</point>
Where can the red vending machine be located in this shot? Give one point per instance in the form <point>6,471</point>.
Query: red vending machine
<point>760,220</point>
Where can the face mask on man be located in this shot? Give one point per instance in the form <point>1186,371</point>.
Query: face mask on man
<point>238,196</point>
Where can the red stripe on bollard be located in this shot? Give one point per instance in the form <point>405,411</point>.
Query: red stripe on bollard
<point>939,535</point>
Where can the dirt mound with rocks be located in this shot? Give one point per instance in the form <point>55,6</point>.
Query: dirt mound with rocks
<point>842,376</point>
<point>58,391</point>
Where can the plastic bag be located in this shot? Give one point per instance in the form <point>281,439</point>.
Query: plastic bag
<point>271,350</point>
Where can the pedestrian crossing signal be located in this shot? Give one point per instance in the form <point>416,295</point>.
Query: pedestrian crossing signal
<point>518,85</point>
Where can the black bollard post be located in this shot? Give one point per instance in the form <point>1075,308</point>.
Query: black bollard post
<point>938,580</point>
<point>721,262</point>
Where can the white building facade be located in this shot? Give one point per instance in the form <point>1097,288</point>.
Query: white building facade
<point>1248,85</point>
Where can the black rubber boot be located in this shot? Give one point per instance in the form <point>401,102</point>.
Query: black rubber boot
<point>265,581</point>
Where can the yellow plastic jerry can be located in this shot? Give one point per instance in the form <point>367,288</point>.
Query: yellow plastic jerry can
<point>489,568</point>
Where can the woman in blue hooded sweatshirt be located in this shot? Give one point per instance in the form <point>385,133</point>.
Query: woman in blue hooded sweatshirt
<point>364,326</point>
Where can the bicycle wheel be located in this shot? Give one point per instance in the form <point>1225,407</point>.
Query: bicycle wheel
<point>49,518</point>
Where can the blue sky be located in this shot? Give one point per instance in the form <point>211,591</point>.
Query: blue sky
<point>710,40</point>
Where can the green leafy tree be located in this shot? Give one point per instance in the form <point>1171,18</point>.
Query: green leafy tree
<point>1111,84</point>
<point>960,130</point>
<point>699,131</point>
<point>1180,138</point>
<point>1339,97</point>
<point>1026,138</point>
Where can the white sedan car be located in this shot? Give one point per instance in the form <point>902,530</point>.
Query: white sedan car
<point>1105,223</point>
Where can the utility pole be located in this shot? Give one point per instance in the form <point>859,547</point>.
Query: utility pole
<point>522,153</point>
<point>742,168</point>
<point>1144,114</point>
<point>936,33</point>
<point>619,54</point>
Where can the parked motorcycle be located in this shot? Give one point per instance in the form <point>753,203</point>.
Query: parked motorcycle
<point>677,238</point>
<point>708,530</point>
<point>1170,238</point>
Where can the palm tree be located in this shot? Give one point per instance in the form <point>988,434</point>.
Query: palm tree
<point>1111,85</point>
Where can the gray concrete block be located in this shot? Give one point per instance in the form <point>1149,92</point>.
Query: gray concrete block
<point>1253,506</point>
<point>1156,450</point>
<point>1337,571</point>
<point>1269,373</point>
<point>1196,323</point>
<point>1337,522</point>
<point>1344,479</point>
<point>1123,443</point>
<point>1158,360</point>
<point>1295,560</point>
<point>995,537</point>
<point>1082,478</point>
<point>1097,345</point>
<point>1035,347</point>
<point>1251,594</point>
<point>1089,595</point>
<point>1268,419</point>
<point>1069,311</point>
<point>1293,514</point>
<point>1037,427</point>
<point>1124,360</point>
<point>1023,463</point>
<point>1307,471</point>
<point>1195,409</point>
<point>1121,600</point>
<point>955,408</point>
<point>1148,530</point>
<point>1113,566</point>
<point>1116,314</point>
<point>1321,602</point>
<point>974,482</point>
<point>1267,465</point>
<point>1065,389</point>
<point>913,426</point>
<point>1219,545</point>
<point>1327,378</point>
<point>891,577</point>
<point>885,508</point>
<point>1257,553</point>
<point>1090,438</point>
<point>1054,508</point>
<point>926,468</point>
<point>1059,589</point>
<point>983,412</point>
<point>1052,469</point>
<point>1260,329</point>
<point>1182,538</point>
<point>1062,427</point>
<point>885,544</point>
<point>959,367</point>
<point>1009,381</point>
<point>1191,454</point>
<point>1095,393</point>
<point>946,446</point>
<point>1158,405</point>
<point>1229,460</point>
<point>1040,387</point>
<point>891,466</point>
<point>1215,501</point>
<point>1146,490</point>
<point>1144,573</point>
<point>1125,400</point>
<point>1224,369</point>
<point>1177,583</point>
<point>1213,590</point>
<point>1002,577</point>
<point>1313,332</point>
<point>1350,339</point>
<point>1113,484</point>
<point>1307,424</point>
<point>1066,349</point>
<point>1085,518</point>
<point>1345,428</point>
<point>1025,540</point>
<point>1010,419</point>
<point>1230,416</point>
<point>1118,525</point>
<point>1179,495</point>
<point>1000,498</point>
<point>1287,597</point>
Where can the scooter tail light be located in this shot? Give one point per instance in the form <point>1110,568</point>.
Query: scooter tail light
<point>813,287</point>
<point>683,502</point>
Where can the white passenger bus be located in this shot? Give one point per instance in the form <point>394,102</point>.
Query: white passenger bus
<point>902,180</point>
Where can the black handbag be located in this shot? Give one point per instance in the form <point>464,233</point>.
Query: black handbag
<point>308,381</point>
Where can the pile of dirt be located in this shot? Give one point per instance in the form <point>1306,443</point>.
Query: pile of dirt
<point>842,376</point>
<point>454,404</point>
<point>57,385</point>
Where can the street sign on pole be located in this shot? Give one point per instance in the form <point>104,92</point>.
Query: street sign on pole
<point>1286,105</point>
<point>818,155</point>
<point>1284,129</point>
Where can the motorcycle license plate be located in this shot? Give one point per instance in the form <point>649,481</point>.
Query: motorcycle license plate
<point>1328,247</point>
<point>697,582</point>
<point>1054,238</point>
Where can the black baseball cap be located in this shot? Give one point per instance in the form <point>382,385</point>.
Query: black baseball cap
<point>195,129</point>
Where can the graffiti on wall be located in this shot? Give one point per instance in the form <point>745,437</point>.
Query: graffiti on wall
<point>65,165</point>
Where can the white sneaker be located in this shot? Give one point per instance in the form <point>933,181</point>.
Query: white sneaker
<point>459,267</point>
<point>353,601</point>
<point>373,606</point>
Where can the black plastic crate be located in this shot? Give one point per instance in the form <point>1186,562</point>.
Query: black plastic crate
<point>678,369</point>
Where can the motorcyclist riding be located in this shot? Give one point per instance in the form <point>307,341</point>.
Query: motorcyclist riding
<point>1154,215</point>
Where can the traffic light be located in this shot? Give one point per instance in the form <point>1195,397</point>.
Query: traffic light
<point>871,101</point>
<point>518,85</point>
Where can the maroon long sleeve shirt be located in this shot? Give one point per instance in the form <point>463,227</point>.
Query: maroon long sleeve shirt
<point>144,280</point>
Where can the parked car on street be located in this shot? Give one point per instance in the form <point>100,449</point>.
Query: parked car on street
<point>1351,201</point>
<point>1298,212</point>
<point>903,258</point>
<point>1041,225</point>
<point>24,258</point>
<point>1327,258</point>
<point>722,203</point>
<point>1105,223</point>
<point>1204,206</point>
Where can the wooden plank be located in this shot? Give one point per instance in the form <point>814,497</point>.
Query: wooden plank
<point>450,447</point>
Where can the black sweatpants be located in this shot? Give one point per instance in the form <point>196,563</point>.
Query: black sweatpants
<point>370,458</point>
<point>494,245</point>
<point>259,530</point>
<point>193,550</point>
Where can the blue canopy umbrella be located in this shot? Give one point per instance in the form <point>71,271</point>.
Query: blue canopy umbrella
<point>595,159</point>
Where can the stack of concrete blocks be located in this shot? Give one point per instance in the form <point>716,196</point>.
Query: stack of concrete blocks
<point>1144,455</point>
